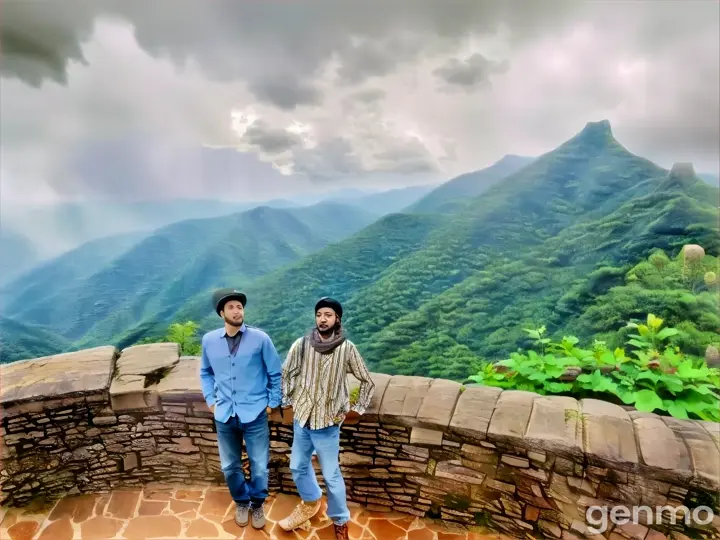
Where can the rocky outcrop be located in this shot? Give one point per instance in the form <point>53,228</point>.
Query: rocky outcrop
<point>525,464</point>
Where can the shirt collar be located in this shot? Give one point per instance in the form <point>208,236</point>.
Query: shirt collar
<point>242,331</point>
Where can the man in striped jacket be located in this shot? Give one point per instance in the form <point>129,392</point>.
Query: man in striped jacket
<point>314,383</point>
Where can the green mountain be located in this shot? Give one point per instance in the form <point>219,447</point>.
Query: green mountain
<point>51,230</point>
<point>352,263</point>
<point>159,274</point>
<point>563,241</point>
<point>469,282</point>
<point>21,341</point>
<point>453,194</point>
<point>65,271</point>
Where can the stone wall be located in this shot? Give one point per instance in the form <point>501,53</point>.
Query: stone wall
<point>518,462</point>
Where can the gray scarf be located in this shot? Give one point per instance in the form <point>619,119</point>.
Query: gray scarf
<point>326,347</point>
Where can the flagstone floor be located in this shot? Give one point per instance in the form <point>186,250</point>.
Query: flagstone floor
<point>201,512</point>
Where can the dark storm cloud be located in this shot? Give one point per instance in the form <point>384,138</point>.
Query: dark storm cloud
<point>471,73</point>
<point>254,41</point>
<point>270,140</point>
<point>362,76</point>
<point>286,94</point>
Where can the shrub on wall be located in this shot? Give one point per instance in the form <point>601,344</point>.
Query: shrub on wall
<point>654,375</point>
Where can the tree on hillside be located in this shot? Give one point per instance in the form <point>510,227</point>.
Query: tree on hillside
<point>184,334</point>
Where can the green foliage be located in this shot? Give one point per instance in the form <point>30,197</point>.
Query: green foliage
<point>581,240</point>
<point>153,279</point>
<point>654,376</point>
<point>20,341</point>
<point>184,334</point>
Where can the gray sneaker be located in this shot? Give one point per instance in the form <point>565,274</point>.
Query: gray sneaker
<point>241,514</point>
<point>258,518</point>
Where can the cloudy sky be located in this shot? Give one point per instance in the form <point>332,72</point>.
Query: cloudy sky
<point>189,98</point>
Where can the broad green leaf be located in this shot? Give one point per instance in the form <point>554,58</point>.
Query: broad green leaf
<point>686,371</point>
<point>654,322</point>
<point>667,332</point>
<point>701,389</point>
<point>581,354</point>
<point>672,383</point>
<point>654,377</point>
<point>557,387</point>
<point>677,410</point>
<point>647,400</point>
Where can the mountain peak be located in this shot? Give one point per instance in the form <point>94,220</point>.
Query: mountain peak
<point>512,158</point>
<point>683,171</point>
<point>600,128</point>
<point>681,177</point>
<point>595,135</point>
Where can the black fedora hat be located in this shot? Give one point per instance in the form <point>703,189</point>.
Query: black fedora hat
<point>222,296</point>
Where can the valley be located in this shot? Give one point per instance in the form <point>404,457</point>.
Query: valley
<point>435,284</point>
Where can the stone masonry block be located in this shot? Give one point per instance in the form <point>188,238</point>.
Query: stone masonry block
<point>555,426</point>
<point>182,380</point>
<point>438,404</point>
<point>402,400</point>
<point>704,454</point>
<point>426,437</point>
<point>381,383</point>
<point>659,447</point>
<point>608,433</point>
<point>139,368</point>
<point>43,379</point>
<point>472,413</point>
<point>713,428</point>
<point>510,418</point>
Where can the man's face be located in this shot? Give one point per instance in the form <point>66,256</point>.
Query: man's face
<point>325,318</point>
<point>233,313</point>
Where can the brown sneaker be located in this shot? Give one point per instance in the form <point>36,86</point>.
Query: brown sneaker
<point>341,532</point>
<point>301,513</point>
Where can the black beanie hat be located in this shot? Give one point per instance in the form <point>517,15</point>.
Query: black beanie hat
<point>222,296</point>
<point>330,303</point>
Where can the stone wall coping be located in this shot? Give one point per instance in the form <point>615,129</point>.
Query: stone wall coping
<point>602,434</point>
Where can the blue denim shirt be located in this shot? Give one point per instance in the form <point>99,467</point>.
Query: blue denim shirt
<point>242,384</point>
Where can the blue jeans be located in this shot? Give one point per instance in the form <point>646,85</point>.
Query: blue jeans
<point>326,442</point>
<point>257,443</point>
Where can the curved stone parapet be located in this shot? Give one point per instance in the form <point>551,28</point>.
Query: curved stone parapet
<point>525,464</point>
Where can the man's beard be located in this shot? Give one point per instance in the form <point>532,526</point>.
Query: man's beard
<point>234,323</point>
<point>329,332</point>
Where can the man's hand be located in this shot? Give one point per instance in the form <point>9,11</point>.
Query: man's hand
<point>212,409</point>
<point>269,410</point>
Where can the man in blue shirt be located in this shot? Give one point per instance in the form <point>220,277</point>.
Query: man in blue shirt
<point>240,375</point>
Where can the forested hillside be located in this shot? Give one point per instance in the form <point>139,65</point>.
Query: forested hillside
<point>164,270</point>
<point>579,240</point>
<point>512,259</point>
<point>65,271</point>
<point>451,195</point>
<point>19,341</point>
